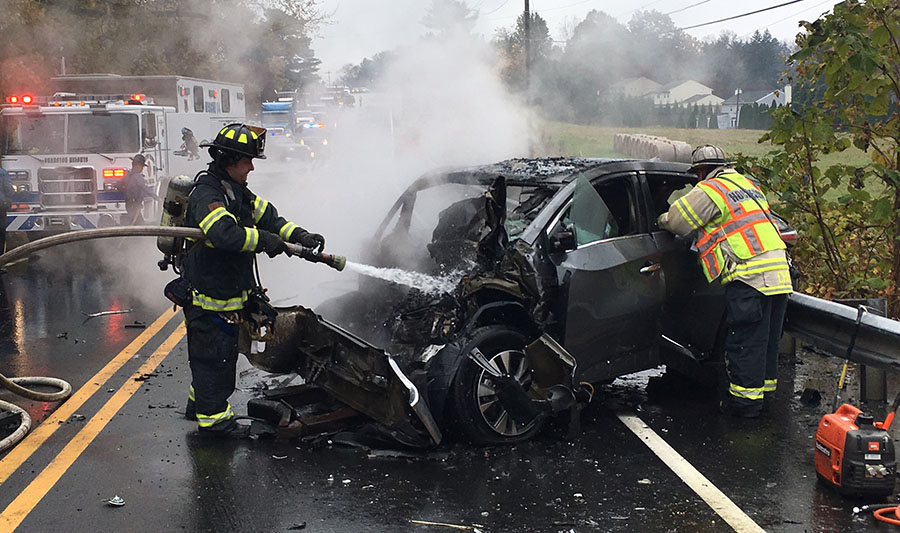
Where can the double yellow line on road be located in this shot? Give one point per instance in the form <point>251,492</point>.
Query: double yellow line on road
<point>38,488</point>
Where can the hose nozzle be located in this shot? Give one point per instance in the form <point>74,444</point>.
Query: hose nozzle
<point>337,262</point>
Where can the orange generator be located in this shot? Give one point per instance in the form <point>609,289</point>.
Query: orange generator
<point>854,454</point>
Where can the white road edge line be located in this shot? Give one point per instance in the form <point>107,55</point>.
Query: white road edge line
<point>714,497</point>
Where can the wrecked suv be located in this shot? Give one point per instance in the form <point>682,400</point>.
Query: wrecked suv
<point>559,277</point>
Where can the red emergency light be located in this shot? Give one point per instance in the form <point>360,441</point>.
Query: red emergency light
<point>138,97</point>
<point>12,99</point>
<point>27,99</point>
<point>113,172</point>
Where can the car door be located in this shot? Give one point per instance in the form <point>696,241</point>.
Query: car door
<point>611,277</point>
<point>692,304</point>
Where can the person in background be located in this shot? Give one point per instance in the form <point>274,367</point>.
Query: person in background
<point>740,245</point>
<point>6,197</point>
<point>135,188</point>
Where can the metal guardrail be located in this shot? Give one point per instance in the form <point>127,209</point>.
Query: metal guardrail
<point>831,326</point>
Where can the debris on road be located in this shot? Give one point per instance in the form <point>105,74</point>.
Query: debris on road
<point>443,524</point>
<point>115,501</point>
<point>137,325</point>
<point>811,397</point>
<point>105,313</point>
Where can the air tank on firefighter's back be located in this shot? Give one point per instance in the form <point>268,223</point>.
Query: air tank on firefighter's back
<point>173,211</point>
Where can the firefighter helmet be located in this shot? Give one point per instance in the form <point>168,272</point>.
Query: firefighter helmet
<point>706,155</point>
<point>241,139</point>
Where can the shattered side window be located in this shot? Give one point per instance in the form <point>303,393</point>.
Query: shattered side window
<point>591,217</point>
<point>664,190</point>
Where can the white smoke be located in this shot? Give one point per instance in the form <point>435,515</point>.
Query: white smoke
<point>442,104</point>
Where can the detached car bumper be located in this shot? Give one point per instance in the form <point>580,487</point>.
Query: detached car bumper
<point>362,376</point>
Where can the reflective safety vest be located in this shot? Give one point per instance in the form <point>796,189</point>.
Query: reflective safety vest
<point>744,223</point>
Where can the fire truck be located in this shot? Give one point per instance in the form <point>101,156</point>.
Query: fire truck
<point>68,153</point>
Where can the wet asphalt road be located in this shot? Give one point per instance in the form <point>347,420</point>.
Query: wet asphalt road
<point>604,479</point>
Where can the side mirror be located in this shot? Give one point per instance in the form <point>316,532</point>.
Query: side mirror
<point>563,241</point>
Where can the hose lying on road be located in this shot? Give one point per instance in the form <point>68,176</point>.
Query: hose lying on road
<point>16,386</point>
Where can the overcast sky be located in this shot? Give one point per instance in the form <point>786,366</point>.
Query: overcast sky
<point>362,28</point>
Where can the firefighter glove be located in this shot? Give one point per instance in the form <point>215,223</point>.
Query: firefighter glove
<point>309,240</point>
<point>271,244</point>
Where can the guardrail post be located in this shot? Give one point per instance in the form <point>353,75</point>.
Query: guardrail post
<point>872,381</point>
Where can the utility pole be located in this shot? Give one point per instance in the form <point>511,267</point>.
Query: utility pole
<point>527,53</point>
<point>527,28</point>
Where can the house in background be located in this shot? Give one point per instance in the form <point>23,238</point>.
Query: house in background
<point>774,98</point>
<point>684,93</point>
<point>634,87</point>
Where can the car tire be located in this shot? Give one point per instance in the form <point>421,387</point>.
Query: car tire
<point>477,413</point>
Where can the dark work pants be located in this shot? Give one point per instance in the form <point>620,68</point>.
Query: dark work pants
<point>3,231</point>
<point>133,212</point>
<point>751,346</point>
<point>212,354</point>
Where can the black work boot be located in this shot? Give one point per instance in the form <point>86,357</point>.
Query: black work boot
<point>225,430</point>
<point>190,411</point>
<point>728,408</point>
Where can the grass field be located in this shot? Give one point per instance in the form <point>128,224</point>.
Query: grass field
<point>596,141</point>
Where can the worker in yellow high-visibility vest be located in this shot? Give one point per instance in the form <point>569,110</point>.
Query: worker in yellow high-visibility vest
<point>740,245</point>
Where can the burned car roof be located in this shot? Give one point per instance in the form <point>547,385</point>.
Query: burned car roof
<point>546,171</point>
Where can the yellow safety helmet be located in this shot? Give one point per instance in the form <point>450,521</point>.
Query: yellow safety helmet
<point>241,139</point>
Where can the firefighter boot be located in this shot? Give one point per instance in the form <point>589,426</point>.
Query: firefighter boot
<point>190,411</point>
<point>225,430</point>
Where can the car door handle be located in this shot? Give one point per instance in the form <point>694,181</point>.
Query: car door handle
<point>650,268</point>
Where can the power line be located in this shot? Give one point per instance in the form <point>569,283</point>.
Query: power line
<point>498,8</point>
<point>688,7</point>
<point>738,16</point>
<point>565,7</point>
<point>638,8</point>
<point>779,21</point>
<point>543,10</point>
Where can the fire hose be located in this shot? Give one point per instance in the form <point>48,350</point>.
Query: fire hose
<point>18,384</point>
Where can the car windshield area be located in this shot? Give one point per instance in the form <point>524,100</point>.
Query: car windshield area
<point>32,135</point>
<point>103,133</point>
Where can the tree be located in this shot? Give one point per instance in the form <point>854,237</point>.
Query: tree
<point>850,227</point>
<point>763,61</point>
<point>369,72</point>
<point>660,50</point>
<point>511,46</point>
<point>449,18</point>
<point>262,43</point>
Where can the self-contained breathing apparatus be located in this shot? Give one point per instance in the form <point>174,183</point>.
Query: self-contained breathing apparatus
<point>258,316</point>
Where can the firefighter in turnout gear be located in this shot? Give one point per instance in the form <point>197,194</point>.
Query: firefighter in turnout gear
<point>238,224</point>
<point>740,245</point>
